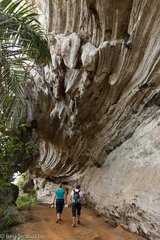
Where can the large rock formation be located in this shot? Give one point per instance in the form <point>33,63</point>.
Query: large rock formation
<point>97,107</point>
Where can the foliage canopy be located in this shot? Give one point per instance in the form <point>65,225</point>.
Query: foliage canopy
<point>23,46</point>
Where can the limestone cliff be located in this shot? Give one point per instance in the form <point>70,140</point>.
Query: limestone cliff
<point>97,107</point>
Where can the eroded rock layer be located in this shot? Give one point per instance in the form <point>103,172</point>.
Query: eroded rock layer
<point>97,106</point>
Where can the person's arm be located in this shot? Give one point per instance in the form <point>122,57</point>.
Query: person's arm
<point>54,197</point>
<point>70,197</point>
<point>81,196</point>
<point>66,195</point>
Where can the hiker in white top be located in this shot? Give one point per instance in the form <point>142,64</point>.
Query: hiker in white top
<point>76,198</point>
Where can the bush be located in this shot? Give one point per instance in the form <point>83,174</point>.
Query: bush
<point>8,219</point>
<point>26,198</point>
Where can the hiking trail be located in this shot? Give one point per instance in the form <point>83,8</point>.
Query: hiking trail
<point>42,225</point>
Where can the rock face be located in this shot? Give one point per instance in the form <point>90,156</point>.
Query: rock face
<point>126,186</point>
<point>97,106</point>
<point>9,194</point>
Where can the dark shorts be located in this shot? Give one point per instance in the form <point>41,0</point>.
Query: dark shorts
<point>76,209</point>
<point>59,205</point>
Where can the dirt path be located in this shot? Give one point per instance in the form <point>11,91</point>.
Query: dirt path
<point>43,226</point>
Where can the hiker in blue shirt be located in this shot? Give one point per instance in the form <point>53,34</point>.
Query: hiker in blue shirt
<point>59,197</point>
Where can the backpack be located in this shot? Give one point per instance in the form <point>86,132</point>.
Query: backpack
<point>76,198</point>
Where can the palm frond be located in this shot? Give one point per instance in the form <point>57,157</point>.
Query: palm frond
<point>22,41</point>
<point>12,97</point>
<point>18,21</point>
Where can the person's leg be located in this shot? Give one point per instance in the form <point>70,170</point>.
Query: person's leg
<point>78,219</point>
<point>58,210</point>
<point>73,215</point>
<point>61,209</point>
<point>79,212</point>
<point>58,217</point>
<point>73,221</point>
